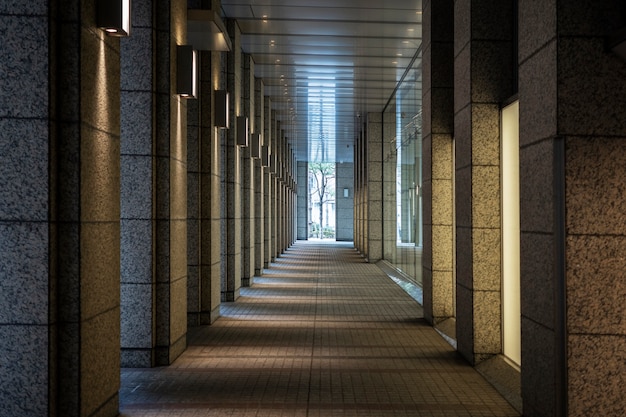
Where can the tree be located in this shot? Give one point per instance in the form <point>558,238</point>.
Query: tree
<point>322,174</point>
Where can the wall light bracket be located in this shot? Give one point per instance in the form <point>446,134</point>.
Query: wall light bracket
<point>221,110</point>
<point>255,145</point>
<point>243,131</point>
<point>113,16</point>
<point>186,71</point>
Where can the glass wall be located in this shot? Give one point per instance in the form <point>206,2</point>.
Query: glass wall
<point>403,175</point>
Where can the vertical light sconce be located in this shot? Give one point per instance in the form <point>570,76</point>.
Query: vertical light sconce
<point>242,131</point>
<point>265,156</point>
<point>113,16</point>
<point>255,145</point>
<point>346,192</point>
<point>186,71</point>
<point>221,110</point>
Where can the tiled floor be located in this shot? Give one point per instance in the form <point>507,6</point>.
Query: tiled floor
<point>321,333</point>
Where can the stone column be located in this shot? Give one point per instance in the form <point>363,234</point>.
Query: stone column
<point>59,212</point>
<point>204,197</point>
<point>362,189</point>
<point>572,131</point>
<point>233,179</point>
<point>274,188</point>
<point>303,200</point>
<point>373,239</point>
<point>171,183</point>
<point>138,284</point>
<point>483,80</point>
<point>389,157</point>
<point>267,185</point>
<point>259,183</point>
<point>84,210</point>
<point>438,168</point>
<point>248,176</point>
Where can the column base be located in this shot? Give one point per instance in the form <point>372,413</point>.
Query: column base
<point>230,296</point>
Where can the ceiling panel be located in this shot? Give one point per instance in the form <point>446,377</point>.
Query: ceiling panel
<point>357,50</point>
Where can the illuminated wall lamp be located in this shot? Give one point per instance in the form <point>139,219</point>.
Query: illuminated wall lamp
<point>113,16</point>
<point>186,71</point>
<point>220,112</point>
<point>242,131</point>
<point>255,145</point>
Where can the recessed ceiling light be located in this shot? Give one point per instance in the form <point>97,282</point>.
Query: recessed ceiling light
<point>398,54</point>
<point>394,62</point>
<point>410,29</point>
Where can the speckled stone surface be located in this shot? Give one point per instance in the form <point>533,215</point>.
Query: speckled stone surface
<point>23,169</point>
<point>537,273</point>
<point>136,256</point>
<point>24,258</point>
<point>538,371</point>
<point>136,315</point>
<point>136,191</point>
<point>538,88</point>
<point>595,275</point>
<point>24,58</point>
<point>536,177</point>
<point>136,121</point>
<point>596,371</point>
<point>100,360</point>
<point>24,376</point>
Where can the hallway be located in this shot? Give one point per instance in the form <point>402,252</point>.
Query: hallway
<point>320,333</point>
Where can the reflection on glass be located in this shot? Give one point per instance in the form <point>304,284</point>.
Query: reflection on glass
<point>403,160</point>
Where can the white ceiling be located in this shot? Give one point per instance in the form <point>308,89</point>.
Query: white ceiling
<point>359,49</point>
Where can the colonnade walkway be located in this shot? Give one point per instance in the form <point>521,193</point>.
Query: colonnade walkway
<point>321,333</point>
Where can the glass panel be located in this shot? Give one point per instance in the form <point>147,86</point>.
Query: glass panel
<point>403,177</point>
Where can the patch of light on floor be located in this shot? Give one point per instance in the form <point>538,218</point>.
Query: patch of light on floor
<point>413,290</point>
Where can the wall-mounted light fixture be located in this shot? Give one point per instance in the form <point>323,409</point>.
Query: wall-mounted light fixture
<point>255,145</point>
<point>242,131</point>
<point>221,110</point>
<point>206,31</point>
<point>617,43</point>
<point>113,16</point>
<point>186,71</point>
<point>346,192</point>
<point>265,155</point>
